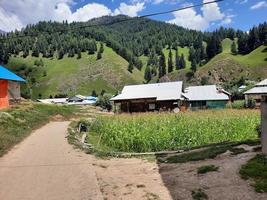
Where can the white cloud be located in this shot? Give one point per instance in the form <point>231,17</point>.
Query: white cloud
<point>130,10</point>
<point>90,11</point>
<point>191,19</point>
<point>260,4</point>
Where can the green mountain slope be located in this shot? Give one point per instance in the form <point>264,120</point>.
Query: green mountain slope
<point>225,67</point>
<point>78,76</point>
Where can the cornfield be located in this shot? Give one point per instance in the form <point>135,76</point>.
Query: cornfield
<point>165,131</point>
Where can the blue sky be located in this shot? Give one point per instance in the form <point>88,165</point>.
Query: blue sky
<point>239,14</point>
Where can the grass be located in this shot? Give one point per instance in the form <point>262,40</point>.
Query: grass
<point>18,122</point>
<point>199,195</point>
<point>256,169</point>
<point>207,168</point>
<point>159,131</point>
<point>72,75</point>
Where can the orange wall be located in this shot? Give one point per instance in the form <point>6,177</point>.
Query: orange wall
<point>4,94</point>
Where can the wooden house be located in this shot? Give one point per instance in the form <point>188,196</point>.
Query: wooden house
<point>150,97</point>
<point>257,92</point>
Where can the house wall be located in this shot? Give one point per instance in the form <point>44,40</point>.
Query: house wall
<point>146,105</point>
<point>195,105</point>
<point>4,103</point>
<point>13,90</point>
<point>264,124</point>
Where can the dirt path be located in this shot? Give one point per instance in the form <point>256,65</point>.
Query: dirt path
<point>45,166</point>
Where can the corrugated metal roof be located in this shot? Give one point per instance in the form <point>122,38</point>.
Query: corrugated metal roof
<point>8,75</point>
<point>160,91</point>
<point>262,83</point>
<point>257,90</point>
<point>204,93</point>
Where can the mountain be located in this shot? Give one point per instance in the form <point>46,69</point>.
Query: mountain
<point>62,58</point>
<point>2,32</point>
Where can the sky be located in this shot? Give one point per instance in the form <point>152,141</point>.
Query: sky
<point>239,14</point>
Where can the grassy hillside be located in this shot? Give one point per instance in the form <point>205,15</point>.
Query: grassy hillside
<point>226,67</point>
<point>79,76</point>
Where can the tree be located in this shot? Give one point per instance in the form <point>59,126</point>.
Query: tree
<point>60,53</point>
<point>79,54</point>
<point>162,65</point>
<point>233,48</point>
<point>194,65</point>
<point>99,55</point>
<point>94,93</point>
<point>182,63</point>
<point>214,46</point>
<point>242,44</point>
<point>104,102</point>
<point>177,59</point>
<point>102,92</point>
<point>253,39</point>
<point>130,67</point>
<point>170,63</point>
<point>101,48</point>
<point>148,74</point>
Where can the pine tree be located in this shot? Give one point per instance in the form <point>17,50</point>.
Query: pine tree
<point>162,65</point>
<point>233,48</point>
<point>94,93</point>
<point>243,44</point>
<point>170,63</point>
<point>101,48</point>
<point>99,55</point>
<point>182,63</point>
<point>148,74</point>
<point>79,54</point>
<point>130,67</point>
<point>194,66</point>
<point>214,46</point>
<point>177,59</point>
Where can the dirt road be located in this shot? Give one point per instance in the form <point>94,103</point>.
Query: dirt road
<point>45,166</point>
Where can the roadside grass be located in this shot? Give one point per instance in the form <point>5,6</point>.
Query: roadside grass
<point>256,169</point>
<point>208,153</point>
<point>199,194</point>
<point>18,122</point>
<point>207,168</point>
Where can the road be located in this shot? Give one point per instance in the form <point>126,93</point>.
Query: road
<point>45,166</point>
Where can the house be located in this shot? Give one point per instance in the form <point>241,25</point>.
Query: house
<point>149,97</point>
<point>257,92</point>
<point>9,87</point>
<point>207,96</point>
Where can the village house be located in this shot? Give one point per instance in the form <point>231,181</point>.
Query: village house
<point>150,97</point>
<point>257,92</point>
<point>9,87</point>
<point>207,96</point>
<point>169,96</point>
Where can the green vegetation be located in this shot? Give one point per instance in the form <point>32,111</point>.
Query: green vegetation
<point>72,76</point>
<point>18,122</point>
<point>207,168</point>
<point>159,131</point>
<point>256,169</point>
<point>199,195</point>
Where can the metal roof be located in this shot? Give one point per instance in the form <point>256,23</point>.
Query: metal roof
<point>260,88</point>
<point>204,93</point>
<point>159,91</point>
<point>262,83</point>
<point>8,75</point>
<point>257,90</point>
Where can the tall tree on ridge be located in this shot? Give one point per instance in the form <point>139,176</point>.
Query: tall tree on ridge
<point>170,63</point>
<point>162,65</point>
<point>177,59</point>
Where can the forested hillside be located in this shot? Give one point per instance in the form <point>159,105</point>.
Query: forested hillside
<point>59,58</point>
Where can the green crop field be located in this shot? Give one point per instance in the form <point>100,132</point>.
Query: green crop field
<point>159,131</point>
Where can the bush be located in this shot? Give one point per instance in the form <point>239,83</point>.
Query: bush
<point>104,102</point>
<point>206,169</point>
<point>238,104</point>
<point>251,103</point>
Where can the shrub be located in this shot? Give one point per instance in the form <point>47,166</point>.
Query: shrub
<point>238,104</point>
<point>104,102</point>
<point>206,169</point>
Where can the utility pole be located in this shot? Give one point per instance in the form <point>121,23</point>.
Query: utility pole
<point>264,124</point>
